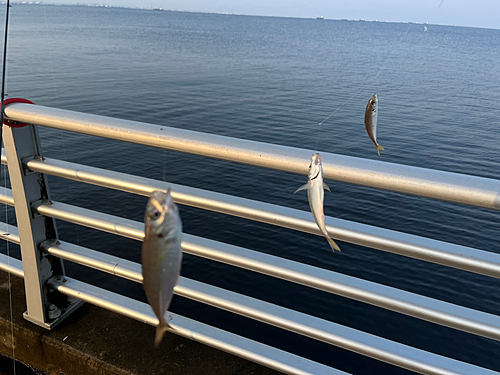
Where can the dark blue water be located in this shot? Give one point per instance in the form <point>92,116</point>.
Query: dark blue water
<point>274,80</point>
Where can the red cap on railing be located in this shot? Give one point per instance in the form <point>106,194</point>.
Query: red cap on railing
<point>15,124</point>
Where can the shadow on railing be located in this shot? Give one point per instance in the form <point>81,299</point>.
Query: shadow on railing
<point>36,214</point>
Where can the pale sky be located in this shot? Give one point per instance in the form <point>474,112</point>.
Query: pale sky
<point>476,13</point>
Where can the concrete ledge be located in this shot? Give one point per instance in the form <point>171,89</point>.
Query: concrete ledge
<point>96,341</point>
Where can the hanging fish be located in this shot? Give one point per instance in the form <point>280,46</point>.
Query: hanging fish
<point>371,115</point>
<point>315,192</point>
<point>161,255</point>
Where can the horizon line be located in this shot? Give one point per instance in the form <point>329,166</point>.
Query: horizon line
<point>96,5</point>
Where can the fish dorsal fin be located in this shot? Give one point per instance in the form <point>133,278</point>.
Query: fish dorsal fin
<point>325,186</point>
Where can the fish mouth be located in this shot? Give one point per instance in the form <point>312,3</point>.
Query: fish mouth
<point>315,177</point>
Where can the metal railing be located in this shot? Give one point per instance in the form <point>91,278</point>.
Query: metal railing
<point>23,156</point>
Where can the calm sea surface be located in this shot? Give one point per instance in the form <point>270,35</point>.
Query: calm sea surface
<point>273,80</point>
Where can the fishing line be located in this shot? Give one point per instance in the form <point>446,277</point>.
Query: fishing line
<point>2,107</point>
<point>8,272</point>
<point>343,104</point>
<point>4,68</point>
<point>164,166</point>
<point>353,95</point>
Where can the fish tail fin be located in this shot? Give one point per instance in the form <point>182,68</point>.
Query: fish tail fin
<point>160,331</point>
<point>333,245</point>
<point>379,148</point>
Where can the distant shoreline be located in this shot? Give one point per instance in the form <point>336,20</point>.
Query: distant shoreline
<point>104,6</point>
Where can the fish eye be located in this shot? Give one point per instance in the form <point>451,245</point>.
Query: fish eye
<point>154,214</point>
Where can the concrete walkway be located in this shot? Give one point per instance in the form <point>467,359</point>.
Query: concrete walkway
<point>98,342</point>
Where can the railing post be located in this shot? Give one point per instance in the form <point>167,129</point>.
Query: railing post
<point>23,144</point>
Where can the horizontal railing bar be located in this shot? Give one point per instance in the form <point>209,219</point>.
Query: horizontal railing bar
<point>12,265</point>
<point>6,197</point>
<point>453,187</point>
<point>94,259</point>
<point>9,233</point>
<point>237,345</point>
<point>462,257</point>
<point>191,244</point>
<point>429,309</point>
<point>335,334</point>
<point>91,219</point>
<point>231,343</point>
<point>365,344</point>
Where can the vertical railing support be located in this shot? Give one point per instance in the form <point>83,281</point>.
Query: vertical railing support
<point>44,309</point>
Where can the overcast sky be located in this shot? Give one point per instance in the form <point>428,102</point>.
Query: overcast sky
<point>478,13</point>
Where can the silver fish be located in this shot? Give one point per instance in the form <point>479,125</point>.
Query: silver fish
<point>371,115</point>
<point>161,255</point>
<point>315,192</point>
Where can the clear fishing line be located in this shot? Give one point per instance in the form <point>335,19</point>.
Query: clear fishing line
<point>164,166</point>
<point>343,104</point>
<point>4,69</point>
<point>353,95</point>
<point>8,272</point>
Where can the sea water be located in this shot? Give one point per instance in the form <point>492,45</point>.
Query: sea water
<point>274,80</point>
